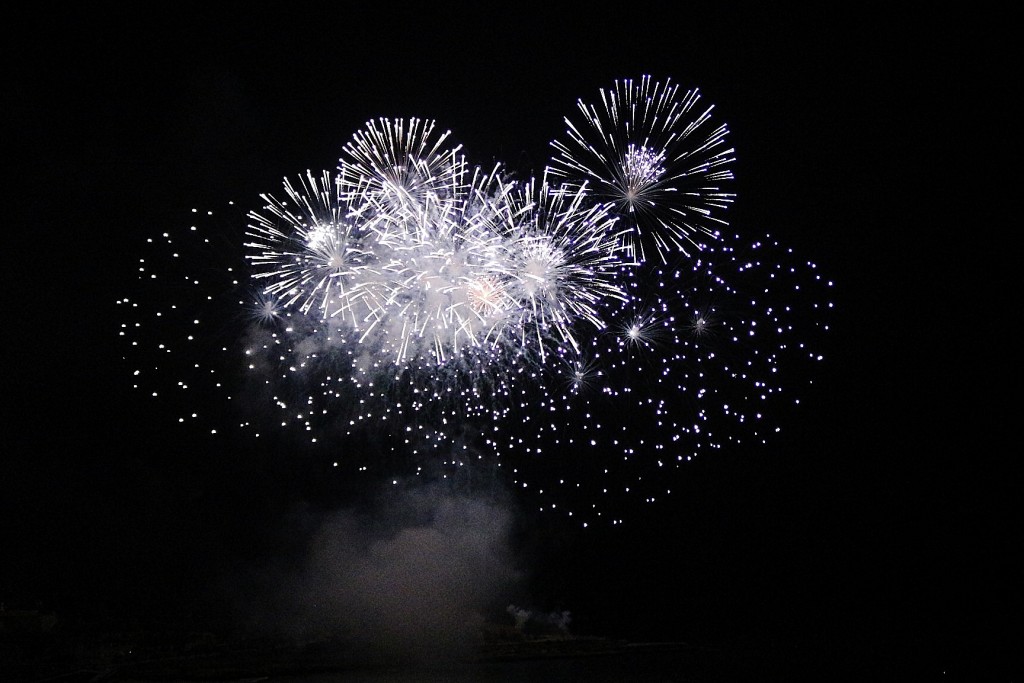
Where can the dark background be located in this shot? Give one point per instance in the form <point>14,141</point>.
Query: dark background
<point>880,527</point>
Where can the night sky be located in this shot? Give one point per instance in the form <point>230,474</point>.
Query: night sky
<point>877,528</point>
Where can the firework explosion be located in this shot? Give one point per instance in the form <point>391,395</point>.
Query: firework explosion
<point>580,335</point>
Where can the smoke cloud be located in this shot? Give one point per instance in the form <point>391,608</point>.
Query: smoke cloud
<point>413,577</point>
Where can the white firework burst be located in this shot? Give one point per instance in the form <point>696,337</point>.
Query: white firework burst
<point>566,262</point>
<point>655,153</point>
<point>309,248</point>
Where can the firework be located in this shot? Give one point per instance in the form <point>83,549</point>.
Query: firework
<point>657,156</point>
<point>445,319</point>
